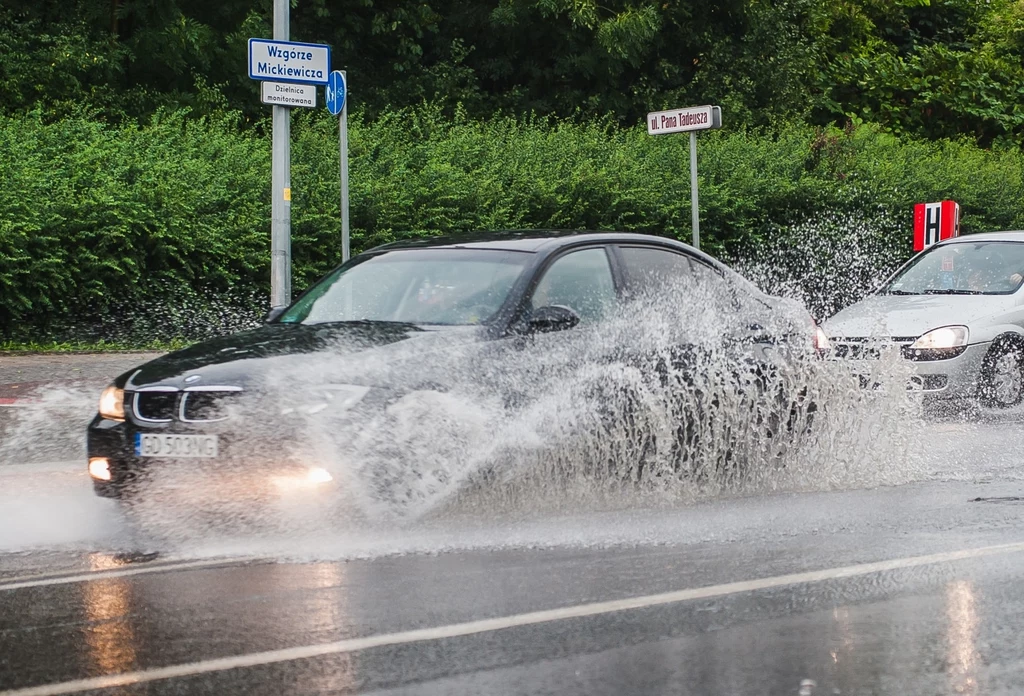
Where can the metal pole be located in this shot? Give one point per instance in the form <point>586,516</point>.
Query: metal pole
<point>281,195</point>
<point>694,211</point>
<point>343,156</point>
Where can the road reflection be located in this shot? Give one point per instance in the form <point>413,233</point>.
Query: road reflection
<point>847,647</point>
<point>329,616</point>
<point>107,604</point>
<point>962,637</point>
<point>842,641</point>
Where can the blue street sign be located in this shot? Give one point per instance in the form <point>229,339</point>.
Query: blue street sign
<point>337,90</point>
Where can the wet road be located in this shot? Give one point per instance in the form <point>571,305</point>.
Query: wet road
<point>911,589</point>
<point>908,589</point>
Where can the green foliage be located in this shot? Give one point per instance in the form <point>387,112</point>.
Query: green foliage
<point>950,68</point>
<point>931,68</point>
<point>91,216</point>
<point>146,229</point>
<point>21,347</point>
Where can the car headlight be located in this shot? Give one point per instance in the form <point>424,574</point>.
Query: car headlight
<point>112,403</point>
<point>945,338</point>
<point>938,344</point>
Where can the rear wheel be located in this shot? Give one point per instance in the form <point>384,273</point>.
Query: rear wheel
<point>1002,376</point>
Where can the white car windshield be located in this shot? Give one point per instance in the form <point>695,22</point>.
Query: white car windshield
<point>456,287</point>
<point>963,268</point>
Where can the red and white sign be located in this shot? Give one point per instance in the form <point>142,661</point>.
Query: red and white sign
<point>934,222</point>
<point>681,120</point>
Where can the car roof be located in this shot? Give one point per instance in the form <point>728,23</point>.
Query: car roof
<point>1004,236</point>
<point>531,241</point>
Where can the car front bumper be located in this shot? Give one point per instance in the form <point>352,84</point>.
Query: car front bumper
<point>953,379</point>
<point>270,475</point>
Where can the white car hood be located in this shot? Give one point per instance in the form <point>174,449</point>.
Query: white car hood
<point>885,316</point>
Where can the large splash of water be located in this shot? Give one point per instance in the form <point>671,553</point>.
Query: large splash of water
<point>672,401</point>
<point>665,403</point>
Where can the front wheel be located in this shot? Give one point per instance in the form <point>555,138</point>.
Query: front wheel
<point>1002,376</point>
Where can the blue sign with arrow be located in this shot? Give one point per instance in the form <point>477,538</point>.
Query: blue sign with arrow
<point>336,92</point>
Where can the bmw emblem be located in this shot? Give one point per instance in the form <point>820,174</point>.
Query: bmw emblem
<point>192,378</point>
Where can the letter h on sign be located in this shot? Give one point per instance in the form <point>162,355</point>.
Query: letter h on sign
<point>934,222</point>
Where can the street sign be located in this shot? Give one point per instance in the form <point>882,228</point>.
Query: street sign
<point>289,94</point>
<point>692,118</point>
<point>688,120</point>
<point>289,61</point>
<point>336,92</point>
<point>934,222</point>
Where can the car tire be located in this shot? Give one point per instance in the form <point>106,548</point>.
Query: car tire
<point>1002,376</point>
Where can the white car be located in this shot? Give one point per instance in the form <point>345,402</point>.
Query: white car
<point>956,312</point>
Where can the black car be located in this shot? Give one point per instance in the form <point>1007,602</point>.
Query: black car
<point>404,307</point>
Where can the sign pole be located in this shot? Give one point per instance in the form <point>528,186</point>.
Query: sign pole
<point>694,210</point>
<point>281,213</point>
<point>343,158</point>
<point>687,120</point>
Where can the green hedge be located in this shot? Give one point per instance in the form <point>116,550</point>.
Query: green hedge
<point>94,219</point>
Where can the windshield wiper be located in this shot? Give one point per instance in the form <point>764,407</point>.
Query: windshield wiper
<point>901,292</point>
<point>951,291</point>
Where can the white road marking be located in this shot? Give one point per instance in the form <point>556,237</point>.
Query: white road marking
<point>92,575</point>
<point>469,628</point>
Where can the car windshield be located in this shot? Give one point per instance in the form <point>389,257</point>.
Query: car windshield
<point>455,287</point>
<point>963,268</point>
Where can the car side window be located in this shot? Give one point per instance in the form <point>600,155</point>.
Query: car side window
<point>650,269</point>
<point>706,275</point>
<point>738,295</point>
<point>580,280</point>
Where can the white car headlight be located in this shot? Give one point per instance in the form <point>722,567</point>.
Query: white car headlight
<point>112,403</point>
<point>944,338</point>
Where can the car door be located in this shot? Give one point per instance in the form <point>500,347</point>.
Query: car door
<point>745,364</point>
<point>661,274</point>
<point>581,280</point>
<point>654,275</point>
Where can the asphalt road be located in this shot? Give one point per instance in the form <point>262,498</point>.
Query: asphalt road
<point>899,589</point>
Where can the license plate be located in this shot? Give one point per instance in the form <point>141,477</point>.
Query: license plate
<point>175,446</point>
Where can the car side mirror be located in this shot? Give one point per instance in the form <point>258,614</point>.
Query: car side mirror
<point>273,314</point>
<point>551,318</point>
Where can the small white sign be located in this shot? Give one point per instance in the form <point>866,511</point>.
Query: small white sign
<point>682,120</point>
<point>289,94</point>
<point>289,61</point>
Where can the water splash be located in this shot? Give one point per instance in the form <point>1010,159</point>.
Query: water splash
<point>651,407</point>
<point>830,261</point>
<point>48,426</point>
<point>660,406</point>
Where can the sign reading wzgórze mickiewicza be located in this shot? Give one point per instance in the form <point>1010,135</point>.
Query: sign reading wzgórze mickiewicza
<point>289,61</point>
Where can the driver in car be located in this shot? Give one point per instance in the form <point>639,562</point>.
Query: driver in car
<point>981,277</point>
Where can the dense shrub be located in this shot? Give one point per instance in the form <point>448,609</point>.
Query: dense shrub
<point>96,218</point>
<point>92,217</point>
